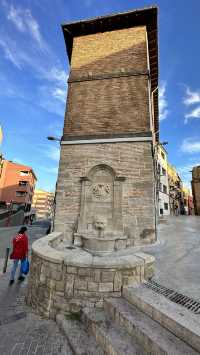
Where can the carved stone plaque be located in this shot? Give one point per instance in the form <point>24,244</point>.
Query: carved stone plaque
<point>100,191</point>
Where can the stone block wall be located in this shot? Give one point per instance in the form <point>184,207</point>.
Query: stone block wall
<point>56,287</point>
<point>131,160</point>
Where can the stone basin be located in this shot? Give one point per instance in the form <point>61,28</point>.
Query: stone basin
<point>103,246</point>
<point>67,280</point>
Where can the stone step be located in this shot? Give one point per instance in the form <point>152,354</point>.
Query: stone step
<point>113,339</point>
<point>180,321</point>
<point>79,340</point>
<point>151,335</point>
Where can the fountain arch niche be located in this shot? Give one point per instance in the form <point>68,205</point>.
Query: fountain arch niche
<point>100,226</point>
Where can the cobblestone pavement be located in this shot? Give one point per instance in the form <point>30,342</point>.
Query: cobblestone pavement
<point>21,331</point>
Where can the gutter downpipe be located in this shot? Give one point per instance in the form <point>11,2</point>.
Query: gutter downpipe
<point>155,152</point>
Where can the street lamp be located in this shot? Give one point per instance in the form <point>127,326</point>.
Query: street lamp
<point>51,138</point>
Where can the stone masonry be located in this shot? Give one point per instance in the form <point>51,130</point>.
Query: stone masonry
<point>132,160</point>
<point>66,281</point>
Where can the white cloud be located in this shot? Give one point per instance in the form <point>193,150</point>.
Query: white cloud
<point>52,95</point>
<point>59,94</point>
<point>37,57</point>
<point>53,153</point>
<point>58,75</point>
<point>190,146</point>
<point>191,97</point>
<point>163,105</point>
<point>15,17</point>
<point>17,55</point>
<point>48,99</point>
<point>9,53</point>
<point>186,172</point>
<point>195,113</point>
<point>25,22</point>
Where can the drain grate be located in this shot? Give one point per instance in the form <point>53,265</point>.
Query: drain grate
<point>176,297</point>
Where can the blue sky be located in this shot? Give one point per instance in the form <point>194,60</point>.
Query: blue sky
<point>33,72</point>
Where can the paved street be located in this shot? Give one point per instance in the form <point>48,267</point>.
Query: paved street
<point>177,266</point>
<point>21,331</point>
<point>7,234</point>
<point>178,255</point>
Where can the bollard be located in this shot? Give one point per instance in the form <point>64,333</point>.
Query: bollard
<point>6,260</point>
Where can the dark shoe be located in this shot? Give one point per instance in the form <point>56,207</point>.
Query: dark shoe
<point>11,282</point>
<point>21,278</point>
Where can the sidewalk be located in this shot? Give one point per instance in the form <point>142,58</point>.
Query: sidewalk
<point>21,331</point>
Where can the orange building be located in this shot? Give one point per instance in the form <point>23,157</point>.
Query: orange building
<point>17,184</point>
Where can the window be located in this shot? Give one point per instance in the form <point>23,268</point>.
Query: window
<point>163,172</point>
<point>23,183</point>
<point>160,187</point>
<point>163,155</point>
<point>166,206</point>
<point>165,189</point>
<point>161,211</point>
<point>158,168</point>
<point>24,172</point>
<point>21,193</point>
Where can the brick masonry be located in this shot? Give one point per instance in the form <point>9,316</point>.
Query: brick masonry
<point>130,160</point>
<point>196,189</point>
<point>114,104</point>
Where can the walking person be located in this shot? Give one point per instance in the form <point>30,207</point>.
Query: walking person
<point>19,253</point>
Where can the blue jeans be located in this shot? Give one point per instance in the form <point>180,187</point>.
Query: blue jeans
<point>14,268</point>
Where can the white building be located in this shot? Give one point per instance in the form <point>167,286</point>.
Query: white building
<point>162,182</point>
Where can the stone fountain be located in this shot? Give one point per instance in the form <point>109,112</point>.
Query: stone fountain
<point>100,228</point>
<point>98,263</point>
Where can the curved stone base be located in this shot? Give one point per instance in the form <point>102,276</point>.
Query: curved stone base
<point>65,281</point>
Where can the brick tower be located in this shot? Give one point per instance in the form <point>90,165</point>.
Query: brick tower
<point>196,189</point>
<point>106,175</point>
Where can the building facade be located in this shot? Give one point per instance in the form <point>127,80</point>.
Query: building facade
<point>106,167</point>
<point>17,184</point>
<point>196,189</point>
<point>176,199</point>
<point>162,182</point>
<point>43,203</point>
<point>188,201</point>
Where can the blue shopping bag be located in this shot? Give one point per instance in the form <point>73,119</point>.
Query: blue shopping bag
<point>25,266</point>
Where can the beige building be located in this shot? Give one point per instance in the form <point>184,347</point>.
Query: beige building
<point>43,202</point>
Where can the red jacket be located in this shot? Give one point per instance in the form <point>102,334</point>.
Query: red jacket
<point>20,247</point>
